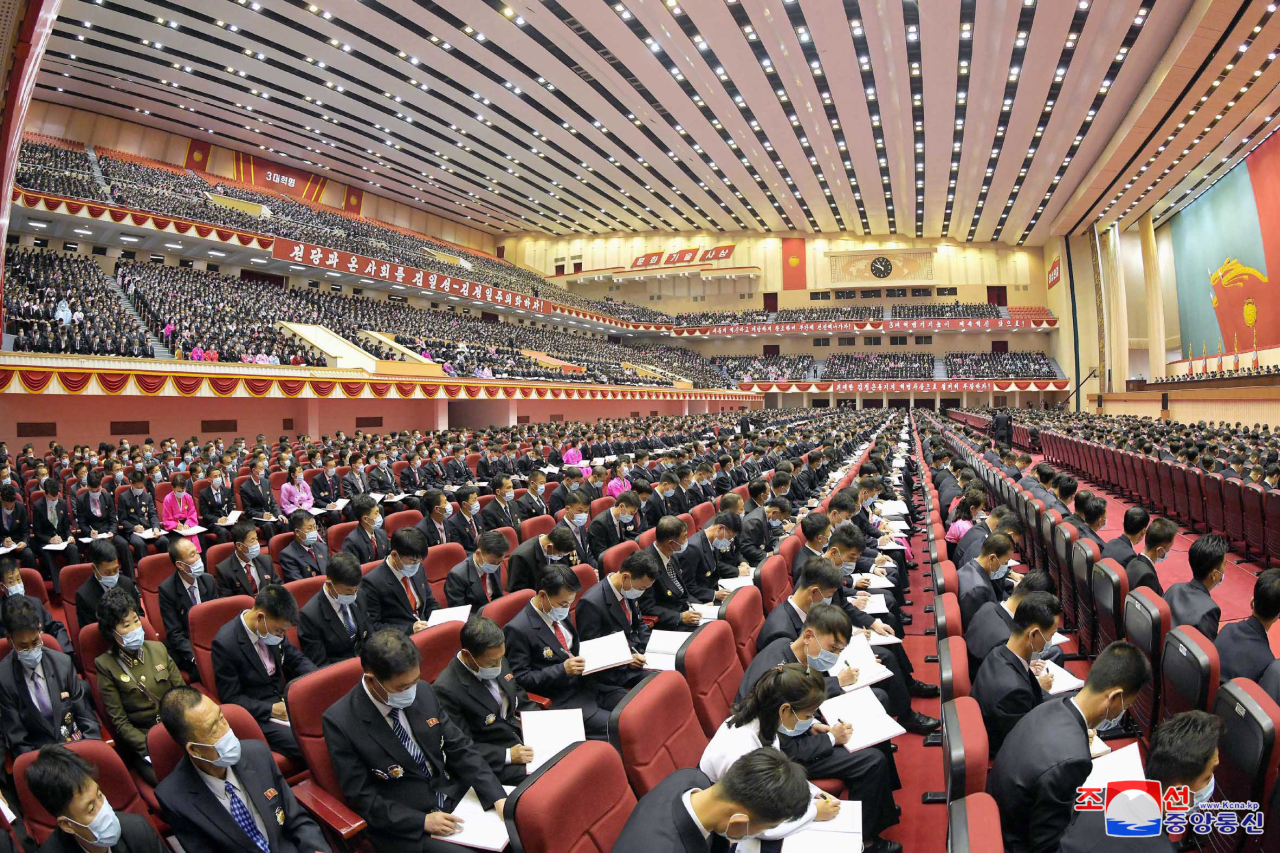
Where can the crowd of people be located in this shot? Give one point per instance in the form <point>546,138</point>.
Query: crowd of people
<point>945,310</point>
<point>823,315</point>
<point>756,368</point>
<point>681,361</point>
<point>120,172</point>
<point>999,365</point>
<point>720,318</point>
<point>57,169</point>
<point>858,365</point>
<point>60,303</point>
<point>1195,375</point>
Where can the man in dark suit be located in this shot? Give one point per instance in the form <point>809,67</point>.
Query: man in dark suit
<point>542,648</point>
<point>532,504</point>
<point>1002,428</point>
<point>213,503</point>
<point>382,481</point>
<point>979,578</point>
<point>396,593</point>
<point>96,515</point>
<point>253,660</point>
<point>368,541</point>
<point>1047,757</point>
<point>436,511</point>
<point>259,503</point>
<point>1235,468</point>
<point>413,479</point>
<point>1010,681</point>
<point>463,526</point>
<point>1089,517</point>
<point>1192,603</point>
<point>686,813</point>
<point>576,512</point>
<point>227,794</point>
<point>500,512</point>
<point>970,544</point>
<point>1124,547</point>
<point>307,555</point>
<point>611,606</point>
<point>1243,647</point>
<point>248,569</point>
<point>669,598</point>
<point>531,557</point>
<point>701,565</point>
<point>402,761</point>
<point>609,528</point>
<point>1183,752</point>
<point>14,591</point>
<point>477,580</point>
<point>354,483</point>
<point>136,514</point>
<point>571,482</point>
<point>657,506</point>
<point>188,586</point>
<point>992,625</point>
<point>42,699</point>
<point>456,470</point>
<point>326,488</point>
<point>333,624</point>
<point>1158,542</point>
<point>15,527</point>
<point>480,694</point>
<point>106,575</point>
<point>817,584</point>
<point>62,782</point>
<point>760,530</point>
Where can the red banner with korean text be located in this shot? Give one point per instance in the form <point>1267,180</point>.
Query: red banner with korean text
<point>684,256</point>
<point>652,259</point>
<point>719,253</point>
<point>873,386</point>
<point>279,177</point>
<point>936,324</point>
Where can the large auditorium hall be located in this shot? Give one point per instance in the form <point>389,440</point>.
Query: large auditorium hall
<point>639,426</point>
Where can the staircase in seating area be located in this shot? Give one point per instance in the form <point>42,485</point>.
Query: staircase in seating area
<point>939,367</point>
<point>1004,312</point>
<point>157,347</point>
<point>97,169</point>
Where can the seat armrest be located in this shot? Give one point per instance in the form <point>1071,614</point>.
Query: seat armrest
<point>540,700</point>
<point>328,809</point>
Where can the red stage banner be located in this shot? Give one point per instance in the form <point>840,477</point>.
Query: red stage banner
<point>895,385</point>
<point>276,176</point>
<point>685,256</point>
<point>353,201</point>
<point>652,259</point>
<point>939,324</point>
<point>198,153</point>
<point>719,253</point>
<point>1055,272</point>
<point>793,264</point>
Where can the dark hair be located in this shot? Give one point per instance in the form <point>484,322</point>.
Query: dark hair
<point>241,529</point>
<point>465,494</point>
<point>277,602</point>
<point>360,506</point>
<point>410,543</point>
<point>1182,746</point>
<point>829,619</point>
<point>640,564</point>
<point>628,498</point>
<point>431,499</point>
<point>1036,580</point>
<point>1266,594</point>
<point>813,524</point>
<point>480,634</point>
<point>819,572</point>
<point>297,518</point>
<point>556,578</point>
<point>101,551</point>
<point>757,488</point>
<point>492,542</point>
<point>998,544</point>
<point>1207,554</point>
<point>781,480</point>
<point>1009,525</point>
<point>1090,507</point>
<point>388,653</point>
<point>1036,610</point>
<point>174,705</point>
<point>344,568</point>
<point>1161,532</point>
<point>581,498</point>
<point>21,615</point>
<point>1121,664</point>
<point>114,608</point>
<point>768,785</point>
<point>561,538</point>
<point>789,684</point>
<point>668,528</point>
<point>782,505</point>
<point>1136,519</point>
<point>1065,485</point>
<point>57,776</point>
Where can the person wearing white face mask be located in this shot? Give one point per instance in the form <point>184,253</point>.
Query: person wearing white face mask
<point>575,518</point>
<point>977,578</point>
<point>1047,756</point>
<point>463,526</point>
<point>1157,545</point>
<point>402,761</point>
<point>307,554</point>
<point>612,606</point>
<point>477,579</point>
<point>669,599</point>
<point>63,783</point>
<point>132,676</point>
<point>501,510</point>
<point>14,590</point>
<point>707,559</point>
<point>217,792</point>
<point>437,511</point>
<point>253,660</point>
<point>481,695</point>
<point>188,586</point>
<point>136,515</point>
<point>397,594</point>
<point>333,625</point>
<point>533,502</point>
<point>817,584</point>
<point>533,555</point>
<point>248,569</point>
<point>1183,753</point>
<point>780,710</point>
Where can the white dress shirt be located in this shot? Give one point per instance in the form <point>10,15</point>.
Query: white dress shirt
<point>219,789</point>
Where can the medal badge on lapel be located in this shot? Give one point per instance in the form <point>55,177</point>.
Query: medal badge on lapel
<point>547,653</point>
<point>508,676</point>
<point>380,774</point>
<point>396,771</point>
<point>488,721</point>
<point>279,815</point>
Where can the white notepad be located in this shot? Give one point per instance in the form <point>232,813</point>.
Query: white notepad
<point>548,732</point>
<point>1063,681</point>
<point>449,614</point>
<point>862,710</point>
<point>61,546</point>
<point>482,829</point>
<point>735,583</point>
<point>877,582</point>
<point>858,655</point>
<point>194,530</point>
<point>1118,766</point>
<point>708,612</point>
<point>234,516</point>
<point>883,640</point>
<point>893,508</point>
<point>605,652</point>
<point>663,647</point>
<point>876,605</point>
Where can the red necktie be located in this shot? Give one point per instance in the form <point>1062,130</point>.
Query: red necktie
<point>626,609</point>
<point>555,626</point>
<point>248,576</point>
<point>373,540</point>
<point>408,590</point>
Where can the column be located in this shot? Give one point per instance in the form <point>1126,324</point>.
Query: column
<point>439,415</point>
<point>1117,317</point>
<point>884,399</point>
<point>857,400</point>
<point>1155,298</point>
<point>937,401</point>
<point>311,420</point>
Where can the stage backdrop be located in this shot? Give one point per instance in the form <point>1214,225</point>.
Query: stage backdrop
<point>1226,245</point>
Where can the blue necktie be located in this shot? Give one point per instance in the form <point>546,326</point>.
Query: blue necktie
<point>244,820</point>
<point>414,752</point>
<point>346,620</point>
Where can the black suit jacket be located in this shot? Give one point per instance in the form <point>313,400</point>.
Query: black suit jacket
<point>296,563</point>
<point>1243,650</point>
<point>1191,604</point>
<point>525,564</point>
<point>661,824</point>
<point>18,529</point>
<point>380,780</point>
<point>699,569</point>
<point>1142,572</point>
<point>214,506</point>
<point>1006,691</point>
<point>240,676</point>
<point>132,510</point>
<point>137,835</point>
<point>175,609</point>
<point>202,825</point>
<point>783,622</point>
<point>529,506</point>
<point>581,548</point>
<point>1034,779</point>
<point>386,603</point>
<point>463,585</point>
<point>232,579</point>
<point>756,539</point>
<point>655,509</point>
<point>25,728</point>
<point>42,532</point>
<point>90,593</point>
<point>1085,530</point>
<point>989,629</point>
<point>359,544</point>
<point>537,658</point>
<point>258,499</point>
<point>472,708</point>
<point>1088,834</point>
<point>458,473</point>
<point>665,599</point>
<point>494,516</point>
<point>428,528</point>
<point>104,523</point>
<point>1119,549</point>
<point>976,589</point>
<point>970,544</point>
<point>322,636</point>
<point>459,530</point>
<point>557,499</point>
<point>325,490</point>
<point>602,534</point>
<point>599,613</point>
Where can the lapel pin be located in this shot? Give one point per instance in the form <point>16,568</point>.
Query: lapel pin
<point>270,793</point>
<point>546,652</point>
<point>380,774</point>
<point>280,816</point>
<point>488,721</point>
<point>396,771</point>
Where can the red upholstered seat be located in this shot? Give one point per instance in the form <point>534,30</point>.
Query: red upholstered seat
<point>945,578</point>
<point>647,537</point>
<point>964,748</point>
<point>791,546</point>
<point>305,589</point>
<point>536,526</point>
<point>504,608</point>
<point>1233,512</point>
<point>703,513</point>
<point>338,534</point>
<point>650,752</point>
<point>1255,534</point>
<point>71,578</point>
<point>1168,500</point>
<point>204,621</point>
<point>438,645</point>
<point>1181,498</point>
<point>946,616</point>
<point>440,559</point>
<point>537,819</point>
<point>1063,537</point>
<point>277,544</point>
<point>1147,619</point>
<point>1189,671</point>
<point>973,824</point>
<point>1195,500</point>
<point>403,518</point>
<point>774,581</point>
<point>1272,510</point>
<point>1247,750</point>
<point>1214,509</point>
<point>165,753</point>
<point>112,775</point>
<point>600,505</point>
<point>953,668</point>
<point>745,616</point>
<point>611,559</point>
<point>710,664</point>
<point>1110,589</point>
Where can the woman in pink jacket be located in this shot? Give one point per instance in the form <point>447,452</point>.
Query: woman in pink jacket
<point>617,482</point>
<point>178,510</point>
<point>295,493</point>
